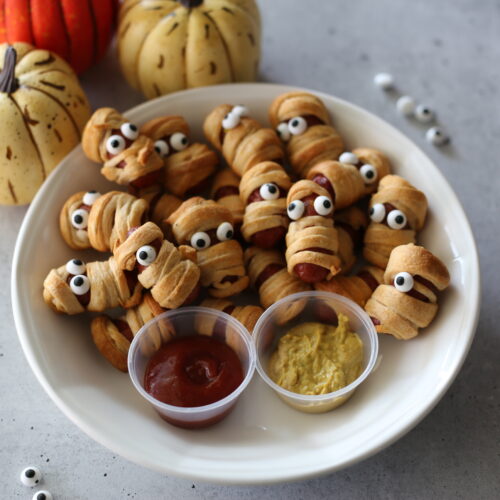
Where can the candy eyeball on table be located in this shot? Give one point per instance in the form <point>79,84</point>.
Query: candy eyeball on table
<point>42,495</point>
<point>31,476</point>
<point>406,105</point>
<point>348,157</point>
<point>384,81</point>
<point>283,132</point>
<point>436,136</point>
<point>424,114</point>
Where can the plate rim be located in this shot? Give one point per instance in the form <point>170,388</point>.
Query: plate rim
<point>409,423</point>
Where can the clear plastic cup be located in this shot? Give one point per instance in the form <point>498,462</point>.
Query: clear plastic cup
<point>186,322</point>
<point>321,307</point>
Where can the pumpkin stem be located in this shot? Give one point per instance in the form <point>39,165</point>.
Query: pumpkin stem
<point>189,4</point>
<point>8,82</point>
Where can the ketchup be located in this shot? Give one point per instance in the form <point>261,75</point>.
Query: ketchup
<point>193,371</point>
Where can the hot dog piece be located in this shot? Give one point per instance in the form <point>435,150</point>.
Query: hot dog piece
<point>263,189</point>
<point>407,300</point>
<point>226,192</point>
<point>312,240</point>
<point>304,125</point>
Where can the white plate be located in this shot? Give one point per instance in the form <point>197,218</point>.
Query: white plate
<point>263,440</point>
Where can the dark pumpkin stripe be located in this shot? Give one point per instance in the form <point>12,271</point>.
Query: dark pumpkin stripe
<point>12,192</point>
<point>50,96</point>
<point>49,60</point>
<point>35,145</point>
<point>53,85</point>
<point>58,135</point>
<point>8,153</point>
<point>175,25</point>
<point>224,44</point>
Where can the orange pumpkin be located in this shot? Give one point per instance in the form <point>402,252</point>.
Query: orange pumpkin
<point>77,31</point>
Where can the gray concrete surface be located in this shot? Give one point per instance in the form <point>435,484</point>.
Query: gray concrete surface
<point>445,53</point>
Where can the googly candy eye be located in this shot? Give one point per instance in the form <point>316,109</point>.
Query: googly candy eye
<point>405,105</point>
<point>31,476</point>
<point>225,231</point>
<point>297,125</point>
<point>79,284</point>
<point>115,144</point>
<point>385,81</point>
<point>348,157</point>
<point>323,205</point>
<point>90,197</point>
<point>240,110</point>
<point>231,120</point>
<point>369,173</point>
<point>161,147</point>
<point>283,132</point>
<point>377,212</point>
<point>403,282</point>
<point>130,131</point>
<point>424,114</point>
<point>295,210</point>
<point>396,219</point>
<point>179,141</point>
<point>75,267</point>
<point>146,255</point>
<point>269,191</point>
<point>200,240</point>
<point>42,495</point>
<point>436,136</point>
<point>79,218</point>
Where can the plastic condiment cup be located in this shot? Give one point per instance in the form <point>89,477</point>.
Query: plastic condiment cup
<point>321,307</point>
<point>185,322</point>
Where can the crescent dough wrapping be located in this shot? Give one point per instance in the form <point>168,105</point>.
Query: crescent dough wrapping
<point>310,233</point>
<point>76,238</point>
<point>109,288</point>
<point>319,142</point>
<point>172,276</point>
<point>266,214</point>
<point>401,314</point>
<point>221,264</point>
<point>246,315</point>
<point>225,191</point>
<point>244,145</point>
<point>350,224</point>
<point>113,337</point>
<point>357,288</point>
<point>278,282</point>
<point>131,165</point>
<point>378,160</point>
<point>379,238</point>
<point>186,169</point>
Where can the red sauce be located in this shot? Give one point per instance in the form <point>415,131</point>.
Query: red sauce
<point>193,371</point>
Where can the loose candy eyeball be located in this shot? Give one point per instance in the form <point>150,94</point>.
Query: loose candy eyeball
<point>436,136</point>
<point>42,495</point>
<point>424,114</point>
<point>31,476</point>
<point>406,105</point>
<point>385,81</point>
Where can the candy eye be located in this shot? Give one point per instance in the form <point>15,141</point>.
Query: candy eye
<point>90,197</point>
<point>31,476</point>
<point>283,132</point>
<point>369,173</point>
<point>231,120</point>
<point>323,205</point>
<point>79,284</point>
<point>43,495</point>
<point>179,141</point>
<point>403,282</point>
<point>200,240</point>
<point>297,125</point>
<point>295,210</point>
<point>79,218</point>
<point>115,144</point>
<point>130,131</point>
<point>75,267</point>
<point>240,110</point>
<point>436,136</point>
<point>377,212</point>
<point>396,219</point>
<point>146,255</point>
<point>348,157</point>
<point>424,114</point>
<point>161,147</point>
<point>225,231</point>
<point>269,191</point>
